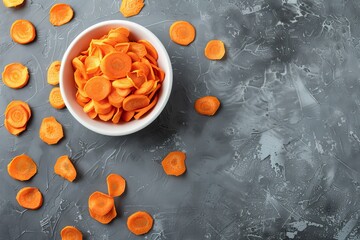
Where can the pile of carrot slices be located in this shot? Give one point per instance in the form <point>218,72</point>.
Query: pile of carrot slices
<point>17,114</point>
<point>117,79</point>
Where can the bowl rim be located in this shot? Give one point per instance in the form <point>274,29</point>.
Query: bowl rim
<point>152,115</point>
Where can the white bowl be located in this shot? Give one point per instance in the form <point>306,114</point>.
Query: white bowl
<point>67,83</point>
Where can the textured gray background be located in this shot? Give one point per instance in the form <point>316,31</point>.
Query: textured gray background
<point>279,160</point>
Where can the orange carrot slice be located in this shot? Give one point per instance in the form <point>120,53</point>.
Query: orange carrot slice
<point>103,107</point>
<point>116,65</point>
<point>92,64</point>
<point>123,92</point>
<point>70,233</point>
<point>105,219</point>
<point>158,86</point>
<point>53,73</point>
<point>182,32</point>
<point>22,168</point>
<point>60,14</point>
<point>214,50</point>
<point>134,102</point>
<point>141,67</point>
<point>174,163</point>
<point>12,130</point>
<point>122,47</point>
<point>30,198</point>
<point>115,99</point>
<point>92,114</point>
<point>126,116</point>
<point>98,88</point>
<point>115,184</point>
<point>51,131</point>
<point>140,223</point>
<point>137,77</point>
<point>117,115</point>
<point>123,83</point>
<point>22,31</point>
<point>19,102</point>
<point>134,57</point>
<point>55,98</point>
<point>89,106</point>
<point>138,49</point>
<point>142,111</point>
<point>108,116</point>
<point>17,116</point>
<point>149,48</point>
<point>207,105</point>
<point>64,168</point>
<point>12,3</point>
<point>131,8</point>
<point>15,75</point>
<point>100,203</point>
<point>120,30</point>
<point>145,88</point>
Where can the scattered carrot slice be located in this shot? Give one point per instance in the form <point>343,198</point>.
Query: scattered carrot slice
<point>116,65</point>
<point>149,48</point>
<point>214,50</point>
<point>30,198</point>
<point>15,75</point>
<point>60,14</point>
<point>140,223</point>
<point>12,130</point>
<point>22,31</point>
<point>134,102</point>
<point>64,168</point>
<point>55,98</point>
<point>105,219</point>
<point>70,233</point>
<point>131,8</point>
<point>12,3</point>
<point>17,116</point>
<point>115,184</point>
<point>19,102</point>
<point>100,203</point>
<point>51,131</point>
<point>207,105</point>
<point>174,163</point>
<point>22,168</point>
<point>98,88</point>
<point>53,73</point>
<point>146,109</point>
<point>182,32</point>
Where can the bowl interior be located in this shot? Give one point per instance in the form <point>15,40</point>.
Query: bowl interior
<point>67,84</point>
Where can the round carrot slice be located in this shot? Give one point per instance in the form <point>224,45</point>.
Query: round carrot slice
<point>51,131</point>
<point>134,102</point>
<point>17,116</point>
<point>131,8</point>
<point>64,168</point>
<point>174,163</point>
<point>12,130</point>
<point>19,102</point>
<point>207,105</point>
<point>30,198</point>
<point>55,98</point>
<point>53,73</point>
<point>214,50</point>
<point>98,88</point>
<point>140,223</point>
<point>60,14</point>
<point>70,233</point>
<point>15,75</point>
<point>115,184</point>
<point>12,3</point>
<point>105,219</point>
<point>100,203</point>
<point>182,32</point>
<point>22,168</point>
<point>22,31</point>
<point>116,65</point>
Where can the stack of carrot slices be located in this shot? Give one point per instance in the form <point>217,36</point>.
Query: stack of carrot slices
<point>117,79</point>
<point>17,114</point>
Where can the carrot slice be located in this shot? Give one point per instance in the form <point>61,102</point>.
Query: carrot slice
<point>116,65</point>
<point>182,32</point>
<point>140,223</point>
<point>137,77</point>
<point>12,130</point>
<point>174,163</point>
<point>207,105</point>
<point>80,81</point>
<point>89,106</point>
<point>141,67</point>
<point>17,116</point>
<point>138,48</point>
<point>149,48</point>
<point>19,102</point>
<point>51,131</point>
<point>115,99</point>
<point>92,64</point>
<point>123,92</point>
<point>100,203</point>
<point>145,88</point>
<point>22,168</point>
<point>22,31</point>
<point>60,14</point>
<point>70,233</point>
<point>214,50</point>
<point>151,75</point>
<point>122,47</point>
<point>64,168</point>
<point>15,75</point>
<point>30,198</point>
<point>134,57</point>
<point>102,107</point>
<point>151,59</point>
<point>159,72</point>
<point>126,116</point>
<point>92,114</point>
<point>79,65</point>
<point>98,88</point>
<point>117,115</point>
<point>108,116</point>
<point>146,109</point>
<point>120,30</point>
<point>158,86</point>
<point>53,73</point>
<point>105,219</point>
<point>55,98</point>
<point>134,102</point>
<point>115,184</point>
<point>123,83</point>
<point>12,3</point>
<point>131,8</point>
